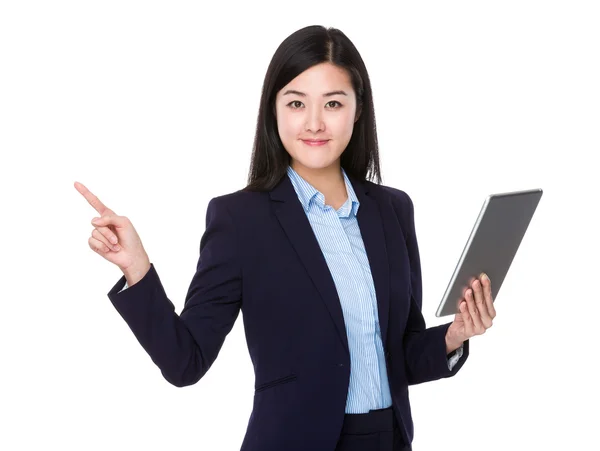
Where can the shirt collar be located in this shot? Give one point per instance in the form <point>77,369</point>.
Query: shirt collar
<point>308,193</point>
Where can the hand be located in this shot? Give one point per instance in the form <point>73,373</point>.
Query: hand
<point>114,237</point>
<point>476,314</point>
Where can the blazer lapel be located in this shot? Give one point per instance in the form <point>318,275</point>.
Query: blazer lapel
<point>370,222</point>
<point>293,219</point>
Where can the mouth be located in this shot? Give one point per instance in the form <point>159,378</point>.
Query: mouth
<point>315,142</point>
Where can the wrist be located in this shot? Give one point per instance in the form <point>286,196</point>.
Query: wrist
<point>135,273</point>
<point>452,345</point>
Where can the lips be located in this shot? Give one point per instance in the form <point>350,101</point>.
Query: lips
<point>314,142</point>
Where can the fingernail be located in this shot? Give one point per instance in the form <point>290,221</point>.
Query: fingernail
<point>95,219</point>
<point>113,239</point>
<point>484,276</point>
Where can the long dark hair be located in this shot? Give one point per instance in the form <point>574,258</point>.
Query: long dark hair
<point>301,50</point>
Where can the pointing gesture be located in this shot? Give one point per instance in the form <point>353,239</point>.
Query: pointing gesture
<point>92,199</point>
<point>115,238</point>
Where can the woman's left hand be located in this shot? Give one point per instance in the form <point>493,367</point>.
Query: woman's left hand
<point>476,313</point>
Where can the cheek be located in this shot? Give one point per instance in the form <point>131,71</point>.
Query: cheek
<point>289,126</point>
<point>343,126</point>
<point>350,123</point>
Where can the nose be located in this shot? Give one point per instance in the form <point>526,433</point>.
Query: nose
<point>314,120</point>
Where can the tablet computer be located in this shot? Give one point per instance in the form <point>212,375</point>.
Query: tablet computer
<point>492,245</point>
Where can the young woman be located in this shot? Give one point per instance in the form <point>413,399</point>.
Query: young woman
<point>323,261</point>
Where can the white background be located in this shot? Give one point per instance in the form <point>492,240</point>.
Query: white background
<point>152,105</point>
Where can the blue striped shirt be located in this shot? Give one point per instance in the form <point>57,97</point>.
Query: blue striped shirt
<point>339,237</point>
<point>340,240</point>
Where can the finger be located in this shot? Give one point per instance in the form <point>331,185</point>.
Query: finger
<point>91,198</point>
<point>97,235</point>
<point>106,220</point>
<point>476,319</point>
<point>466,316</point>
<point>108,233</point>
<point>481,305</point>
<point>487,290</point>
<point>98,246</point>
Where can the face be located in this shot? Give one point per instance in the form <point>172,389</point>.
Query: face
<point>319,104</point>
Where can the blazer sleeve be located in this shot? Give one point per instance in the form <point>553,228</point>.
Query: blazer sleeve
<point>185,346</point>
<point>424,348</point>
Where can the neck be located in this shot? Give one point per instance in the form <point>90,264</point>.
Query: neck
<point>329,181</point>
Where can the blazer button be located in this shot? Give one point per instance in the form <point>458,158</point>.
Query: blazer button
<point>340,364</point>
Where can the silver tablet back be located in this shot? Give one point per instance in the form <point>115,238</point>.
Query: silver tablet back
<point>492,245</point>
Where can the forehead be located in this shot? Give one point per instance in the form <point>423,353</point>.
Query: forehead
<point>319,79</point>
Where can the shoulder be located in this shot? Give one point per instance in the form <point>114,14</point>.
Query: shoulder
<point>401,203</point>
<point>399,199</point>
<point>240,197</point>
<point>239,204</point>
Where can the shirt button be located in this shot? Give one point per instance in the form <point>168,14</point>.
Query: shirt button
<point>340,364</point>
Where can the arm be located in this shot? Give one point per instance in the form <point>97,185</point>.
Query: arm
<point>185,346</point>
<point>424,348</point>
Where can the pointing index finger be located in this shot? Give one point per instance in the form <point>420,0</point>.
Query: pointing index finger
<point>91,198</point>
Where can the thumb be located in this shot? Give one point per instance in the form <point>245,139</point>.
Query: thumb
<point>109,220</point>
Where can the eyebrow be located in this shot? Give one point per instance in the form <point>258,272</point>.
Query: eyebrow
<point>327,94</point>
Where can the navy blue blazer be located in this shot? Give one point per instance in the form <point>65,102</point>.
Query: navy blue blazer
<point>259,255</point>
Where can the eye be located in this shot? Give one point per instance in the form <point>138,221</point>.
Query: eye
<point>294,102</point>
<point>335,101</point>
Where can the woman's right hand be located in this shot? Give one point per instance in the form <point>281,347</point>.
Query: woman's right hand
<point>115,238</point>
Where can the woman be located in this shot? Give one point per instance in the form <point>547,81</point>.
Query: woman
<point>323,261</point>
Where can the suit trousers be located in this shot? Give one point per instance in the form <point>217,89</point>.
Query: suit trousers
<point>373,431</point>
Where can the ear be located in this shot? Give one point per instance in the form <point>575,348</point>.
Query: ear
<point>357,115</point>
